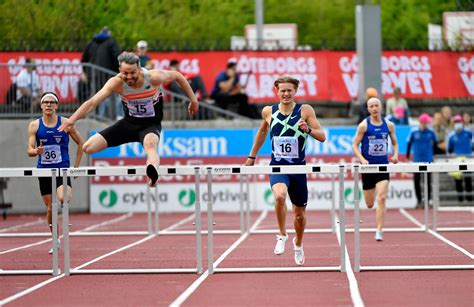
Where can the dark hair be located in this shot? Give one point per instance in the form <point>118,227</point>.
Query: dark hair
<point>128,58</point>
<point>287,79</point>
<point>231,65</point>
<point>174,62</point>
<point>49,93</point>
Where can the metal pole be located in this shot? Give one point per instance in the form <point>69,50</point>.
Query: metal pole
<point>157,218</point>
<point>54,206</point>
<point>333,203</point>
<point>66,226</point>
<point>197,221</point>
<point>242,227</point>
<point>425,186</point>
<point>259,23</point>
<point>247,217</point>
<point>148,207</point>
<point>210,251</point>
<point>342,219</point>
<point>435,189</point>
<point>356,220</point>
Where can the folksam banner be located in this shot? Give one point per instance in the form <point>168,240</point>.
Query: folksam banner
<point>227,146</point>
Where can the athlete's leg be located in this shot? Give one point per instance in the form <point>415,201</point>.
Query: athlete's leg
<point>299,221</point>
<point>382,189</point>
<point>47,200</point>
<point>279,192</point>
<point>61,194</point>
<point>94,144</point>
<point>150,145</point>
<point>369,197</point>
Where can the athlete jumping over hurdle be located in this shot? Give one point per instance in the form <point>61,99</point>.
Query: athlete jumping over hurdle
<point>373,133</point>
<point>290,124</point>
<point>51,147</point>
<point>142,100</point>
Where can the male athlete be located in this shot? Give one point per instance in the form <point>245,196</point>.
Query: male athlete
<point>373,133</point>
<point>142,100</point>
<point>51,147</point>
<point>289,124</point>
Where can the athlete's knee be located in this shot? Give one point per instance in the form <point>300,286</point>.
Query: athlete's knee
<point>299,216</point>
<point>369,204</point>
<point>88,148</point>
<point>149,144</point>
<point>280,198</point>
<point>381,199</point>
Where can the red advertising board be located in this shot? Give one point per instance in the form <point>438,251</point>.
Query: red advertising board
<point>324,75</point>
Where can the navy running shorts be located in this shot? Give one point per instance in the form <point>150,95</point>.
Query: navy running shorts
<point>297,187</point>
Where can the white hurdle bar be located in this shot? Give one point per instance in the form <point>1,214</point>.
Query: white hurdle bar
<point>141,171</point>
<point>275,169</point>
<point>425,168</point>
<point>38,172</point>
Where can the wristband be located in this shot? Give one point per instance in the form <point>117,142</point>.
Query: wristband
<point>250,157</point>
<point>309,130</point>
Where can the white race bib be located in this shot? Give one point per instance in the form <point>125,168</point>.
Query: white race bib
<point>51,154</point>
<point>141,108</point>
<point>377,147</point>
<point>285,147</point>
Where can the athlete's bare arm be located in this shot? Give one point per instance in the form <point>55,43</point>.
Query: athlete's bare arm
<point>261,134</point>
<point>157,77</point>
<point>361,129</point>
<point>76,137</point>
<point>393,137</point>
<point>309,120</point>
<point>112,85</point>
<point>32,150</point>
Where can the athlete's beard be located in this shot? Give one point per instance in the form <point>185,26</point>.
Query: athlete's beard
<point>132,81</point>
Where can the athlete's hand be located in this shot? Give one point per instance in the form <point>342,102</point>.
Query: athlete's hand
<point>193,107</point>
<point>66,125</point>
<point>363,161</point>
<point>394,159</point>
<point>249,162</point>
<point>303,125</point>
<point>39,149</point>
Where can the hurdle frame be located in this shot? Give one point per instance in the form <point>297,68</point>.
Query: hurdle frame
<point>424,168</point>
<point>276,169</point>
<point>39,172</point>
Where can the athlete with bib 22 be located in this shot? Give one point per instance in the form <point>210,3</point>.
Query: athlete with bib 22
<point>373,133</point>
<point>52,149</point>
<point>142,100</point>
<point>290,124</point>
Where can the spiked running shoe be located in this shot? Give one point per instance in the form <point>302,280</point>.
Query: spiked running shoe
<point>280,244</point>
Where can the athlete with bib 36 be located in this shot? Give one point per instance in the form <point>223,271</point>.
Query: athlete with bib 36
<point>373,133</point>
<point>142,100</point>
<point>52,148</point>
<point>290,124</point>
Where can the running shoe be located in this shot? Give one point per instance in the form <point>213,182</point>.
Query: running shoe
<point>59,247</point>
<point>379,235</point>
<point>299,253</point>
<point>280,245</point>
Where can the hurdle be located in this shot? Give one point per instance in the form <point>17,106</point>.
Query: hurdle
<point>38,172</point>
<point>275,169</point>
<point>424,168</point>
<point>139,171</point>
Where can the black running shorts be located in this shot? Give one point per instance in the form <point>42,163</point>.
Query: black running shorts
<point>370,180</point>
<point>125,131</point>
<point>45,184</point>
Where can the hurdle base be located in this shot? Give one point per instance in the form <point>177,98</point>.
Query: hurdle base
<point>134,271</point>
<point>278,269</point>
<point>417,267</point>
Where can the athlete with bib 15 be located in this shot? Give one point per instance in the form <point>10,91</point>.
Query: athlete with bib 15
<point>141,92</point>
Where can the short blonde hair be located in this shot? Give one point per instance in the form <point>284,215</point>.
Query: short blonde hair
<point>287,79</point>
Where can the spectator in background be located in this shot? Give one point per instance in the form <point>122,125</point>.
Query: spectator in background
<point>195,81</point>
<point>440,130</point>
<point>28,87</point>
<point>397,100</point>
<point>363,111</point>
<point>423,141</point>
<point>103,51</point>
<point>460,144</point>
<point>145,60</point>
<point>467,121</point>
<point>398,117</point>
<point>447,115</point>
<point>227,90</point>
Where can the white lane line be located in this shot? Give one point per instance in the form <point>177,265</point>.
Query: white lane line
<point>190,290</point>
<point>105,223</point>
<point>24,246</point>
<point>115,220</point>
<point>353,285</point>
<point>44,283</point>
<point>437,235</point>
<point>182,222</point>
<point>38,221</point>
<point>29,290</point>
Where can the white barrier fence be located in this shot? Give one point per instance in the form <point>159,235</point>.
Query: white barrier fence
<point>212,170</point>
